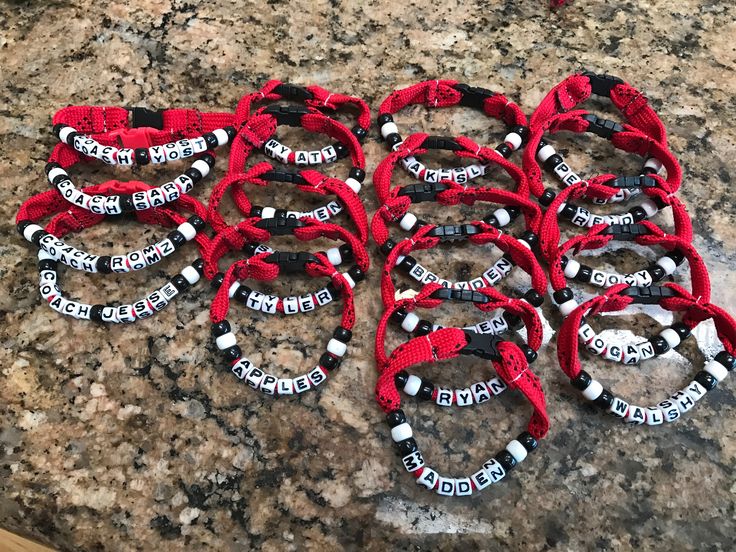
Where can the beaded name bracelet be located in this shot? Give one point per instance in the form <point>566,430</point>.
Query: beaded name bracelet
<point>258,267</point>
<point>446,344</point>
<point>51,202</point>
<point>670,297</point>
<point>445,93</point>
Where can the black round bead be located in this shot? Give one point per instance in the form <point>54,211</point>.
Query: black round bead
<point>534,298</point>
<point>180,282</point>
<point>57,128</point>
<point>584,274</point>
<point>22,225</point>
<point>95,313</point>
<point>242,293</point>
<point>727,360</point>
<point>333,291</point>
<point>126,203</point>
<point>197,222</point>
<point>682,330</point>
<point>569,211</point>
<point>530,354</point>
<point>547,197</point>
<point>522,131</point>
<point>194,174</point>
<point>340,149</point>
<point>407,446</point>
<point>605,400</point>
<point>504,150</point>
<point>676,255</point>
<point>706,380</point>
<point>562,295</point>
<point>141,156</point>
<point>506,459</point>
<point>426,390</point>
<point>250,248</point>
<point>279,213</point>
<point>581,381</point>
<point>393,139</point>
<point>492,221</point>
<point>397,417</point>
<point>563,262</point>
<point>529,442</point>
<point>231,132</point>
<point>659,202</point>
<point>103,264</point>
<point>36,237</point>
<point>553,161</point>
<point>513,211</point>
<point>50,166</point>
<point>199,266</point>
<point>387,246</point>
<point>660,344</point>
<point>232,353</point>
<point>514,322</point>
<point>359,132</point>
<point>346,252</point>
<point>529,237</point>
<point>329,362</point>
<point>220,328</point>
<point>217,280</point>
<point>177,238</point>
<point>356,274</point>
<point>398,316</point>
<point>638,213</point>
<point>342,334</point>
<point>383,119</point>
<point>256,211</point>
<point>401,378</point>
<point>209,159</point>
<point>357,173</point>
<point>211,140</point>
<point>407,263</point>
<point>423,328</point>
<point>47,264</point>
<point>656,272</point>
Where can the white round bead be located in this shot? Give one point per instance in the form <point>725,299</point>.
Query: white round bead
<point>717,370</point>
<point>268,212</point>
<point>653,163</point>
<point>187,230</point>
<point>225,341</point>
<point>671,337</point>
<point>349,279</point>
<point>649,207</point>
<point>354,184</point>
<point>30,230</point>
<point>399,259</point>
<point>407,222</point>
<point>545,153</point>
<point>53,173</point>
<point>190,274</point>
<point>514,140</point>
<point>410,322</point>
<point>593,391</point>
<point>572,268</point>
<point>401,432</point>
<point>413,384</point>
<point>333,255</point>
<point>517,450</point>
<point>337,348</point>
<point>221,136</point>
<point>667,264</point>
<point>202,167</point>
<point>389,128</point>
<point>567,307</point>
<point>502,216</point>
<point>64,133</point>
<point>233,288</point>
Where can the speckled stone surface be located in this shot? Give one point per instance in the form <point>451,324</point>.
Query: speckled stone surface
<point>135,438</point>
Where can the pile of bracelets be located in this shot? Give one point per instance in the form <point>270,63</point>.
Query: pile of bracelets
<point>535,209</point>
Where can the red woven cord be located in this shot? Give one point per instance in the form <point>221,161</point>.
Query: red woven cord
<point>433,93</point>
<point>232,182</point>
<point>384,171</point>
<point>243,111</point>
<point>332,100</point>
<point>317,122</point>
<point>251,135</point>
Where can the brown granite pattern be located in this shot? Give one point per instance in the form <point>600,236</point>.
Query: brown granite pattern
<point>135,439</point>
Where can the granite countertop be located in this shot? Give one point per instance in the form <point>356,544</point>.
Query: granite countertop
<point>136,438</point>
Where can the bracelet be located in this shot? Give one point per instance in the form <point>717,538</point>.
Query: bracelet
<point>446,344</point>
<point>670,297</point>
<point>623,137</point>
<point>258,267</point>
<point>246,236</point>
<point>444,93</point>
<point>48,203</point>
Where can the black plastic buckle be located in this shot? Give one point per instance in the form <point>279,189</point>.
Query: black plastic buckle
<point>290,261</point>
<point>602,84</point>
<point>426,191</point>
<point>441,143</point>
<point>482,345</point>
<point>293,92</point>
<point>144,117</point>
<point>647,295</point>
<point>283,176</point>
<point>280,226</point>
<point>605,128</point>
<point>452,232</point>
<point>290,115</point>
<point>626,232</point>
<point>473,96</point>
<point>453,294</point>
<point>641,181</point>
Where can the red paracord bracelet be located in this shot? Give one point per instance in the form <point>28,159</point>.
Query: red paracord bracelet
<point>670,297</point>
<point>260,268</point>
<point>623,137</point>
<point>445,344</point>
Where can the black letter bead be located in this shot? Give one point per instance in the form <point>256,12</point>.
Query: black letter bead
<point>605,400</point>
<point>342,334</point>
<point>529,442</point>
<point>562,295</point>
<point>706,380</point>
<point>401,378</point>
<point>407,446</point>
<point>220,328</point>
<point>728,361</point>
<point>232,353</point>
<point>660,344</point>
<point>357,173</point>
<point>103,264</point>
<point>581,381</point>
<point>397,417</point>
<point>506,459</point>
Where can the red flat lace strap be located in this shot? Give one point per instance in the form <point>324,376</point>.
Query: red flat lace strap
<point>520,254</point>
<point>611,301</point>
<point>549,232</point>
<point>595,240</point>
<point>424,300</point>
<point>442,93</point>
<point>575,89</point>
<point>412,146</point>
<point>258,269</point>
<point>445,344</point>
<point>321,98</point>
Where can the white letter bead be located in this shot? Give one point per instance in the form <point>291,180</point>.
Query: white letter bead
<point>333,255</point>
<point>572,268</point>
<point>593,391</point>
<point>446,486</point>
<point>695,391</point>
<point>30,230</point>
<point>716,369</point>
<point>354,184</point>
<point>671,337</point>
<point>502,216</point>
<point>517,450</point>
<point>188,231</point>
<point>202,167</point>
<point>514,140</point>
<point>428,478</point>
<point>409,323</point>
<point>412,386</point>
<point>389,128</point>
<point>669,410</point>
<point>683,401</point>
<point>480,479</point>
<point>268,212</point>
<point>190,274</point>
<point>401,432</point>
<point>337,348</point>
<point>407,222</point>
<point>225,341</point>
<point>463,486</point>
<point>567,307</point>
<point>667,264</point>
<point>654,415</point>
<point>649,207</point>
<point>545,153</point>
